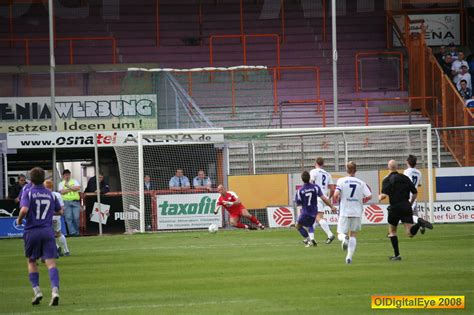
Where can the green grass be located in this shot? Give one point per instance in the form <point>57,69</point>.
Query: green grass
<point>243,272</point>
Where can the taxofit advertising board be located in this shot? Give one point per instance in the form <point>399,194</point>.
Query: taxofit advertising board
<point>187,211</point>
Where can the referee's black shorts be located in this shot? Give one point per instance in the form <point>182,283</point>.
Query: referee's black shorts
<point>403,213</point>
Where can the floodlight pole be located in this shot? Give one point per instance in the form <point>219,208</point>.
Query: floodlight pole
<point>97,181</point>
<point>334,62</point>
<point>52,66</point>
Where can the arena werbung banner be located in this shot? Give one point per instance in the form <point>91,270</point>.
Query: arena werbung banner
<point>441,29</point>
<point>187,211</point>
<point>78,113</point>
<point>104,139</point>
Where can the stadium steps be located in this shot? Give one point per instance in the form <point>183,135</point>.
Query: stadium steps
<point>276,157</point>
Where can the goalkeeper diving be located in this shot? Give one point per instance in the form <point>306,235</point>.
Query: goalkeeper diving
<point>231,202</point>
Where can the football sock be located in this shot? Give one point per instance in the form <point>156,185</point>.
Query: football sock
<point>311,232</point>
<point>324,225</point>
<point>351,247</point>
<point>34,279</point>
<point>241,225</point>
<point>63,243</point>
<point>54,277</point>
<point>303,232</point>
<point>414,229</point>
<point>254,220</point>
<point>394,240</point>
<point>341,237</point>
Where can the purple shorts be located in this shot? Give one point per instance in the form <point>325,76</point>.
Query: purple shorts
<point>306,220</point>
<point>40,243</point>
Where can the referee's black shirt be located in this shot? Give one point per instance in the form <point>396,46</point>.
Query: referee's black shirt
<point>398,187</point>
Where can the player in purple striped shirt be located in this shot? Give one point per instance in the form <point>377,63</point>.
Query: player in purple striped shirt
<point>307,198</point>
<point>38,205</point>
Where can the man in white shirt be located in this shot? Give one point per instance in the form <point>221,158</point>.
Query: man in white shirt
<point>416,177</point>
<point>464,75</point>
<point>457,64</point>
<point>352,193</point>
<point>61,242</point>
<point>323,179</point>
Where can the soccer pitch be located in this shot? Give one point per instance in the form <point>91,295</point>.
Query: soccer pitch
<point>243,272</point>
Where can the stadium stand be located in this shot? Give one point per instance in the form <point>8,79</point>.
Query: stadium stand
<point>183,42</point>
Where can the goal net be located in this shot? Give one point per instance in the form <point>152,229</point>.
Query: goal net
<point>263,166</point>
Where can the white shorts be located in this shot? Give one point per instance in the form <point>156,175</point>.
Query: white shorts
<point>346,224</point>
<point>57,223</point>
<point>321,205</point>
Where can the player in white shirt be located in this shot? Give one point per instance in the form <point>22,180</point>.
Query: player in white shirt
<point>351,193</point>
<point>60,238</point>
<point>415,176</point>
<point>323,179</point>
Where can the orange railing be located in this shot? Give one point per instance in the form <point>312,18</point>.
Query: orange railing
<point>377,53</point>
<point>243,39</point>
<point>427,78</point>
<point>232,82</point>
<point>409,99</point>
<point>391,27</point>
<point>301,68</point>
<point>27,41</point>
<point>273,71</point>
<point>320,106</point>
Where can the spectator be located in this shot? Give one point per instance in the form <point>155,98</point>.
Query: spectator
<point>148,184</point>
<point>457,64</point>
<point>202,181</point>
<point>447,65</point>
<point>441,54</point>
<point>464,75</point>
<point>470,64</point>
<point>14,190</point>
<point>452,51</point>
<point>465,91</point>
<point>92,184</point>
<point>69,189</point>
<point>179,181</point>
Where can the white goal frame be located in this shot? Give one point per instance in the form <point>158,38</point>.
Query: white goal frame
<point>285,131</point>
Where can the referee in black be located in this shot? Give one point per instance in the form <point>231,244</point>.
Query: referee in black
<point>397,187</point>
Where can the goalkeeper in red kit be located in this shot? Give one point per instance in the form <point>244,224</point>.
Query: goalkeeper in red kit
<point>231,202</point>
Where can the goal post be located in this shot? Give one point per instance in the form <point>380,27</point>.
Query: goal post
<point>224,154</point>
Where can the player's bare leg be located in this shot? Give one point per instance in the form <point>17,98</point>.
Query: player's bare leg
<point>325,227</point>
<point>54,278</point>
<point>392,234</point>
<point>33,275</point>
<point>252,219</point>
<point>351,246</point>
<point>235,222</point>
